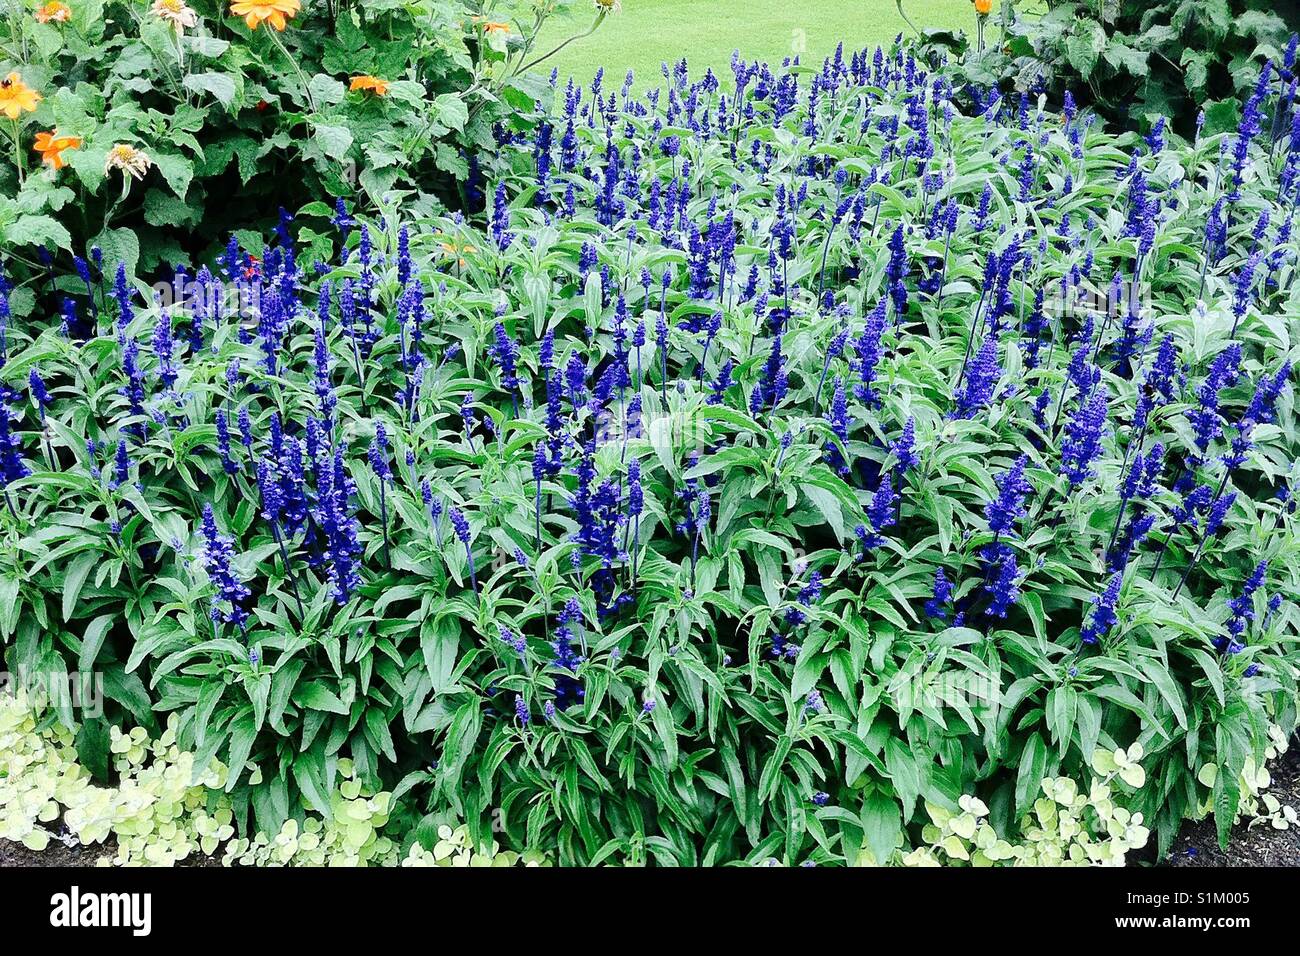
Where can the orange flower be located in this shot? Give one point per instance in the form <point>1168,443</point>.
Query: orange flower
<point>494,27</point>
<point>256,12</point>
<point>373,83</point>
<point>16,97</point>
<point>458,251</point>
<point>984,7</point>
<point>51,145</point>
<point>54,12</point>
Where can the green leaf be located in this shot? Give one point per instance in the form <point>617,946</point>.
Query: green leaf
<point>221,86</point>
<point>1084,46</point>
<point>451,111</point>
<point>75,580</point>
<point>92,640</point>
<point>327,90</point>
<point>118,246</point>
<point>1033,766</point>
<point>93,748</point>
<point>243,732</point>
<point>1122,56</point>
<point>882,823</point>
<point>38,231</point>
<point>314,695</point>
<point>309,774</point>
<point>334,141</point>
<point>1159,675</point>
<point>176,170</point>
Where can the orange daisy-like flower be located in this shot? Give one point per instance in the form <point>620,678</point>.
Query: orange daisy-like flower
<point>984,7</point>
<point>16,97</point>
<point>495,27</point>
<point>51,146</point>
<point>54,12</point>
<point>278,13</point>
<point>372,83</point>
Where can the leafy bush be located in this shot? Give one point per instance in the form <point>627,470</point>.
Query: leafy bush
<point>775,459</point>
<point>180,123</point>
<point>1133,61</point>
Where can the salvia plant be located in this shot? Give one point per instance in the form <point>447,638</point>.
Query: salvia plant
<point>780,458</point>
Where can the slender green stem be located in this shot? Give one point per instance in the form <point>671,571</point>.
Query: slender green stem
<point>600,18</point>
<point>18,150</point>
<point>302,78</point>
<point>907,19</point>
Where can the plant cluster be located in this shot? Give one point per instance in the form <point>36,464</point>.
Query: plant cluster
<point>1067,827</point>
<point>150,131</point>
<point>1255,806</point>
<point>158,812</point>
<point>158,818</point>
<point>775,457</point>
<point>161,812</point>
<point>1133,61</point>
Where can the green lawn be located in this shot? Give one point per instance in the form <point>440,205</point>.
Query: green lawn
<point>645,33</point>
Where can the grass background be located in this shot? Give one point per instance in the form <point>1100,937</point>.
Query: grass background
<point>645,33</point>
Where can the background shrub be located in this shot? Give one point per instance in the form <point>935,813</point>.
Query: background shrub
<point>349,100</point>
<point>1132,61</point>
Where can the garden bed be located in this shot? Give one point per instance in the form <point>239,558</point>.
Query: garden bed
<point>795,466</point>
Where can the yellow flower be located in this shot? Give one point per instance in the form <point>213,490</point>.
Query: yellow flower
<point>176,12</point>
<point>54,12</point>
<point>51,145</point>
<point>983,7</point>
<point>373,83</point>
<point>607,6</point>
<point>275,12</point>
<point>495,27</point>
<point>131,161</point>
<point>16,97</point>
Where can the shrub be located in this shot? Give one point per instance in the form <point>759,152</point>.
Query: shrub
<point>1133,61</point>
<point>773,460</point>
<point>180,123</point>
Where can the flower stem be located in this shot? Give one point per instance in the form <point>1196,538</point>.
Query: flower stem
<point>302,78</point>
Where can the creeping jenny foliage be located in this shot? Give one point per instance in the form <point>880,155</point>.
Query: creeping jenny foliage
<point>779,456</point>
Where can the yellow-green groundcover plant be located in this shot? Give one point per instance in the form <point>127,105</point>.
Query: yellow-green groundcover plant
<point>163,810</point>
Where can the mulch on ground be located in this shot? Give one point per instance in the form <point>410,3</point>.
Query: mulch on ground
<point>1260,845</point>
<point>56,854</point>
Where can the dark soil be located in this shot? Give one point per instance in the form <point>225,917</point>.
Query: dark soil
<point>56,854</point>
<point>1260,845</point>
